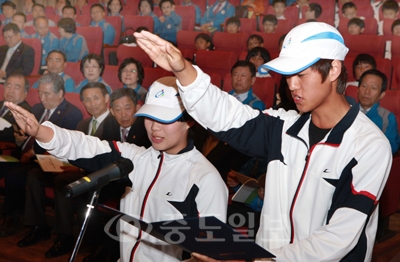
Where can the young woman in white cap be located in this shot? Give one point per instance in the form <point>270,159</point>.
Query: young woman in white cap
<point>171,179</point>
<point>327,166</point>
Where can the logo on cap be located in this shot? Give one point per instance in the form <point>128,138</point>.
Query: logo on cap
<point>160,94</point>
<point>288,43</point>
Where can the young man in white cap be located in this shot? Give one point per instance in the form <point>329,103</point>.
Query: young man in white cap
<point>171,179</point>
<point>324,178</point>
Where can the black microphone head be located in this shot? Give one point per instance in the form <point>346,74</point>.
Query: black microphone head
<point>125,166</point>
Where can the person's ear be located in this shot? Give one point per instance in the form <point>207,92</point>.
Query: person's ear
<point>362,30</point>
<point>253,79</point>
<point>335,71</point>
<point>382,95</point>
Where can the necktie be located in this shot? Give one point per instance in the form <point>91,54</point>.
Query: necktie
<point>3,110</point>
<point>7,59</point>
<point>46,116</point>
<point>216,10</point>
<point>124,132</point>
<point>94,127</point>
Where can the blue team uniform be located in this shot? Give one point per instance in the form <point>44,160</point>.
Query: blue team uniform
<point>49,43</point>
<point>170,27</point>
<point>74,48</point>
<point>108,31</point>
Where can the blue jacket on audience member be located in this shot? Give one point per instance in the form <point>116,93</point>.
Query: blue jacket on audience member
<point>386,121</point>
<point>252,100</point>
<point>198,12</point>
<point>85,82</point>
<point>108,31</point>
<point>219,18</point>
<point>49,43</point>
<point>75,48</point>
<point>170,27</point>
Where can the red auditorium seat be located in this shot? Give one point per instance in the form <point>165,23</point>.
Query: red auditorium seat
<point>110,76</point>
<point>219,62</point>
<point>73,70</point>
<point>93,37</point>
<point>186,42</point>
<point>271,43</point>
<point>188,14</point>
<point>33,97</point>
<point>352,91</point>
<point>129,10</point>
<point>124,52</point>
<point>135,21</point>
<point>116,22</point>
<point>391,102</point>
<point>83,20</point>
<point>395,49</point>
<point>74,98</point>
<point>37,46</point>
<point>202,4</point>
<point>370,44</point>
<point>151,74</point>
<point>387,27</point>
<point>230,42</point>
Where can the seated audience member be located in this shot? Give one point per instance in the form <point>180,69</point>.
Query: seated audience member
<point>170,22</point>
<point>390,10</point>
<point>258,56</point>
<point>19,19</point>
<point>72,44</point>
<point>56,63</point>
<point>355,26</point>
<point>69,12</point>
<point>349,10</point>
<point>80,4</point>
<point>216,14</point>
<point>156,2</point>
<point>37,11</point>
<point>196,8</point>
<point>313,11</point>
<point>95,98</point>
<point>60,4</point>
<point>396,27</point>
<point>16,89</point>
<point>300,4</point>
<point>97,13</point>
<point>279,7</point>
<point>371,90</point>
<point>8,9</point>
<point>232,25</point>
<point>28,6</point>
<point>254,41</point>
<point>200,187</point>
<point>254,7</point>
<point>203,41</point>
<point>114,8</point>
<point>49,41</point>
<point>92,68</point>
<point>146,8</point>
<point>269,23</point>
<point>131,74</point>
<point>361,63</point>
<point>243,76</point>
<point>56,109</point>
<point>15,56</point>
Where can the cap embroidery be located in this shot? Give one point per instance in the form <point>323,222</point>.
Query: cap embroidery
<point>159,94</point>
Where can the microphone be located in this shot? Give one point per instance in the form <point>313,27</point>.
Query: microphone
<point>100,178</point>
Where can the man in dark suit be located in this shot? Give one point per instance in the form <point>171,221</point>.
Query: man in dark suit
<point>56,109</point>
<point>15,56</point>
<point>124,127</point>
<point>16,88</point>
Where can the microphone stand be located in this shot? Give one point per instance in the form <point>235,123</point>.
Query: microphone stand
<point>93,203</point>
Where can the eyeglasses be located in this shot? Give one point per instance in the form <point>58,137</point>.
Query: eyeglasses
<point>129,71</point>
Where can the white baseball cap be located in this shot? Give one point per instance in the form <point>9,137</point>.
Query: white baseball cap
<point>163,103</point>
<point>304,45</point>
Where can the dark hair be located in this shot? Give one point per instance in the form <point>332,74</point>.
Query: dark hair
<point>141,28</point>
<point>97,58</point>
<point>356,21</point>
<point>55,79</point>
<point>67,2</point>
<point>323,66</point>
<point>11,26</point>
<point>130,60</point>
<point>166,1</point>
<point>377,73</point>
<point>390,5</point>
<point>58,52</point>
<point>98,85</point>
<point>395,23</point>
<point>41,6</point>
<point>278,1</point>
<point>363,59</point>
<point>40,17</point>
<point>19,75</point>
<point>348,5</point>
<point>68,24</point>
<point>185,117</point>
<point>151,3</point>
<point>8,3</point>
<point>109,3</point>
<point>97,5</point>
<point>281,39</point>
<point>122,92</point>
<point>233,20</point>
<point>20,14</point>
<point>69,7</point>
<point>255,36</point>
<point>261,51</point>
<point>207,38</point>
<point>316,8</point>
<point>244,63</point>
<point>270,18</point>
